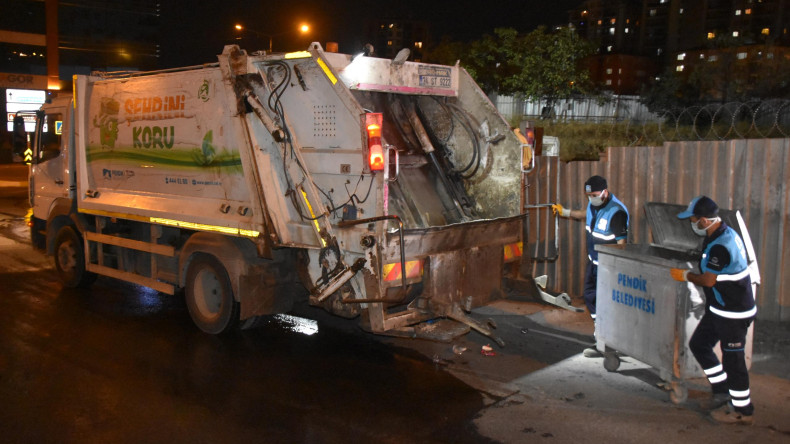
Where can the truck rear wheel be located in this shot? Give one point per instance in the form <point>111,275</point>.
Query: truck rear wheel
<point>70,259</point>
<point>209,295</point>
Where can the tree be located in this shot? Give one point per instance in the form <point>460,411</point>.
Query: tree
<point>540,65</point>
<point>548,65</point>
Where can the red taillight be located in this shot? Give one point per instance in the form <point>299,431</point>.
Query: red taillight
<point>375,151</point>
<point>530,137</point>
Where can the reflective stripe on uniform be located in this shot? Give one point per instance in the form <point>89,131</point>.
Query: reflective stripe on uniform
<point>714,370</point>
<point>732,277</point>
<point>716,379</point>
<point>603,236</point>
<point>741,402</point>
<point>740,398</point>
<point>733,314</point>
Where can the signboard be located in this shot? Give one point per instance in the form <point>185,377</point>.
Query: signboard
<point>23,100</point>
<point>8,80</point>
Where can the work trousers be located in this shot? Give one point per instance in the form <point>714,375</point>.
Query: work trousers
<point>731,374</point>
<point>590,284</point>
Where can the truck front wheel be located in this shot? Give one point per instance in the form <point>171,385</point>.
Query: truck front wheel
<point>70,259</point>
<point>209,295</point>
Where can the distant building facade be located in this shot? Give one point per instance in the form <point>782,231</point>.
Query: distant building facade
<point>44,43</point>
<point>677,34</point>
<point>390,35</point>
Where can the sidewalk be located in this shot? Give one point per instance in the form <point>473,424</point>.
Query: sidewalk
<point>540,386</point>
<point>577,400</point>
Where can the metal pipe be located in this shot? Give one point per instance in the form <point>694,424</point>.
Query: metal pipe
<point>349,223</point>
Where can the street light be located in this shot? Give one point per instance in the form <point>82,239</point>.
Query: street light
<point>303,28</point>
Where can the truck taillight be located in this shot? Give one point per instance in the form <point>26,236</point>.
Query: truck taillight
<point>530,135</point>
<point>373,123</point>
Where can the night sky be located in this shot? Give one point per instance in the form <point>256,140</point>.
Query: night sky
<point>199,30</point>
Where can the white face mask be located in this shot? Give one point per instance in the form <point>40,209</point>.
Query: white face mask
<point>703,231</point>
<point>596,201</point>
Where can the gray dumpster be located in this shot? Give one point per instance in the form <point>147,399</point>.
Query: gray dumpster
<point>645,314</point>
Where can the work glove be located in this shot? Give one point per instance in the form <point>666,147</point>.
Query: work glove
<point>558,209</point>
<point>679,274</point>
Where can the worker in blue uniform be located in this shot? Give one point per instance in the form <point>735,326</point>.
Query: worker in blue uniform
<point>725,277</point>
<point>606,223</point>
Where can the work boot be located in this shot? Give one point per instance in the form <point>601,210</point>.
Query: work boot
<point>727,415</point>
<point>714,401</point>
<point>592,352</point>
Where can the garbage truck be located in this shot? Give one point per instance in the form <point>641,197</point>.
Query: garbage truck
<point>384,190</point>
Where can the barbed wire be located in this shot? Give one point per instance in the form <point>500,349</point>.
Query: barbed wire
<point>632,120</point>
<point>734,120</point>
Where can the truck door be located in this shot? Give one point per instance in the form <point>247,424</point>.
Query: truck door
<point>48,179</point>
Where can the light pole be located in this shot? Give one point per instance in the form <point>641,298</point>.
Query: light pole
<point>303,28</point>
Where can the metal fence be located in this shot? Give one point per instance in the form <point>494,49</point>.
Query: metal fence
<point>613,109</point>
<point>634,122</point>
<point>749,175</point>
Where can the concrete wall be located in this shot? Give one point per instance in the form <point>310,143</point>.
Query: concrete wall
<point>751,175</point>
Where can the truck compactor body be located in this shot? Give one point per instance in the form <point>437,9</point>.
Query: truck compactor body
<point>381,189</point>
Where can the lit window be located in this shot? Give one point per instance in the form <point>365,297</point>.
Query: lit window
<point>737,12</point>
<point>741,55</point>
<point>611,31</point>
<point>418,45</point>
<point>713,58</point>
<point>608,81</point>
<point>680,11</point>
<point>711,35</point>
<point>619,71</point>
<point>679,68</point>
<point>765,31</point>
<point>389,42</point>
<point>599,22</point>
<point>613,21</point>
<point>702,56</point>
<point>748,11</point>
<point>653,12</point>
<point>682,56</point>
<point>659,51</point>
<point>609,48</point>
<point>770,55</point>
<point>608,70</point>
<point>584,12</point>
<point>626,30</point>
<point>735,33</point>
<point>663,1</point>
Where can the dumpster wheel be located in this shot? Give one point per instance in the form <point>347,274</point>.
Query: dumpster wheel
<point>611,362</point>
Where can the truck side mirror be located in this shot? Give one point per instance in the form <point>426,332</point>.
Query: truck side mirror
<point>20,136</point>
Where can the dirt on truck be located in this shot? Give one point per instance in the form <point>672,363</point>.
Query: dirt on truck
<point>387,189</point>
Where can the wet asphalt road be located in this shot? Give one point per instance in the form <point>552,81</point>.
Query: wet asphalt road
<point>124,364</point>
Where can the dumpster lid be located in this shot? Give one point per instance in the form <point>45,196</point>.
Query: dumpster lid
<point>670,232</point>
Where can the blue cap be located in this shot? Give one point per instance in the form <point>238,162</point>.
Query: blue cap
<point>700,206</point>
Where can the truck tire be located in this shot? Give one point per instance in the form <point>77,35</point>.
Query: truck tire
<point>209,295</point>
<point>70,259</point>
